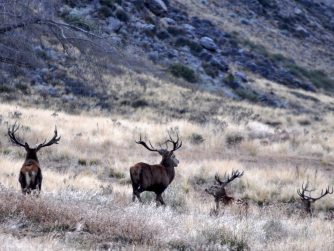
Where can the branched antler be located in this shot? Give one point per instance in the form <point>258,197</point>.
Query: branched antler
<point>55,139</point>
<point>228,178</point>
<point>176,144</point>
<point>150,148</point>
<point>11,133</point>
<point>308,199</point>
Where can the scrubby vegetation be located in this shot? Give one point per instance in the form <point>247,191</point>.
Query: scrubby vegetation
<point>75,184</point>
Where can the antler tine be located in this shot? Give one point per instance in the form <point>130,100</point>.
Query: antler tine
<point>327,191</point>
<point>235,174</point>
<point>11,133</point>
<point>308,197</point>
<point>55,139</point>
<point>141,142</point>
<point>217,178</point>
<point>176,144</point>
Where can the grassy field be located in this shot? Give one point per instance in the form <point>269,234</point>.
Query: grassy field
<point>86,198</point>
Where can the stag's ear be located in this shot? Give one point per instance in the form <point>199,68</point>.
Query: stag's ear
<point>26,146</point>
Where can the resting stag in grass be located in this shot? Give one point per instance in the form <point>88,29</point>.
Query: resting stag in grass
<point>218,190</point>
<point>30,176</point>
<point>155,178</point>
<point>308,200</point>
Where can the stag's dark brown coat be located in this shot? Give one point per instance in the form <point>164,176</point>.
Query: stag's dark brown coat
<point>154,178</point>
<point>30,176</point>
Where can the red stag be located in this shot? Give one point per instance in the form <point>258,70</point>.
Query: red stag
<point>30,177</point>
<point>155,178</point>
<point>218,190</point>
<point>307,200</point>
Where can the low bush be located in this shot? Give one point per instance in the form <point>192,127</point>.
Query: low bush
<point>182,71</point>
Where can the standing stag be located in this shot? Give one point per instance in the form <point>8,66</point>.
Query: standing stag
<point>155,178</point>
<point>30,176</point>
<point>307,200</point>
<point>218,190</point>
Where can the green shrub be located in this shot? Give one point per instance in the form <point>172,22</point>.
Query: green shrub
<point>182,71</point>
<point>247,94</point>
<point>229,79</point>
<point>79,21</point>
<point>194,47</point>
<point>317,77</point>
<point>210,70</point>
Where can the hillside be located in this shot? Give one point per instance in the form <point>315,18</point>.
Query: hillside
<point>248,86</point>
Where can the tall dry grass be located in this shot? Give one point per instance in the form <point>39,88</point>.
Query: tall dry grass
<point>86,198</point>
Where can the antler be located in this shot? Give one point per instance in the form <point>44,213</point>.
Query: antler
<point>54,140</point>
<point>141,142</point>
<point>303,196</point>
<point>11,133</point>
<point>229,178</point>
<point>176,144</point>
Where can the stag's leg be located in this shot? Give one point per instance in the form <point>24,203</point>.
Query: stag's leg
<point>159,199</point>
<point>136,193</point>
<point>39,180</point>
<point>23,184</point>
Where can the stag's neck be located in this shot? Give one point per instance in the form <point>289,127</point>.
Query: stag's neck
<point>31,156</point>
<point>169,168</point>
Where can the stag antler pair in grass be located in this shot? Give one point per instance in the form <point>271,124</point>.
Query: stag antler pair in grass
<point>308,200</point>
<point>155,178</point>
<point>30,176</point>
<point>218,190</point>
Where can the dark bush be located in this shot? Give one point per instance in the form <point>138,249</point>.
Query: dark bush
<point>196,139</point>
<point>110,3</point>
<point>247,94</point>
<point>210,70</point>
<point>23,88</point>
<point>79,21</point>
<point>5,89</point>
<point>234,139</point>
<point>194,47</point>
<point>122,15</point>
<point>182,71</point>
<point>105,12</point>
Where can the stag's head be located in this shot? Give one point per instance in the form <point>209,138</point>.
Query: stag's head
<point>308,199</point>
<point>218,190</point>
<point>31,151</point>
<point>168,155</point>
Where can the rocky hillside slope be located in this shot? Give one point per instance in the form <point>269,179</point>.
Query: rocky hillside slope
<point>223,47</point>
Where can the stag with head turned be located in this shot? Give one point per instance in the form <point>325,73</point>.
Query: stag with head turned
<point>218,190</point>
<point>155,178</point>
<point>30,176</point>
<point>308,200</point>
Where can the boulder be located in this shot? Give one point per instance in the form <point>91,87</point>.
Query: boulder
<point>158,7</point>
<point>166,22</point>
<point>208,43</point>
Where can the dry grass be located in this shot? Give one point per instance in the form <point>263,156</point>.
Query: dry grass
<point>83,203</point>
